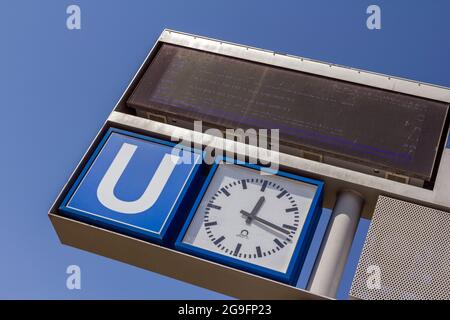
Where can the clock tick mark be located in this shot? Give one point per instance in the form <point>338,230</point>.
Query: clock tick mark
<point>225,192</point>
<point>278,242</point>
<point>264,185</point>
<point>244,184</point>
<point>281,194</point>
<point>289,227</point>
<point>212,223</point>
<point>258,251</point>
<point>238,248</point>
<point>213,206</point>
<point>292,209</point>
<point>217,241</point>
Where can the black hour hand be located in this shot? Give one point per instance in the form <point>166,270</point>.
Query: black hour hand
<point>255,210</point>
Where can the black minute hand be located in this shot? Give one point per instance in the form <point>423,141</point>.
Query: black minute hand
<point>267,223</point>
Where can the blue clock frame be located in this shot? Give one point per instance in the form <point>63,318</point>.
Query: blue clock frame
<point>298,257</point>
<point>162,221</point>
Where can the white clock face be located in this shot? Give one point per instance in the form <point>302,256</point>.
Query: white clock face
<point>251,217</point>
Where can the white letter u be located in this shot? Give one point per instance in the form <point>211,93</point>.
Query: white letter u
<point>105,191</point>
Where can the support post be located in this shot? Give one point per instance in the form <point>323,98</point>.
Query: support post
<point>336,244</point>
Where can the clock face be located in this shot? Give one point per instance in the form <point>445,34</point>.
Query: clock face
<point>251,217</point>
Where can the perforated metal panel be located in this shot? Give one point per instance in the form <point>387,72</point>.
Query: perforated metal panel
<point>410,244</point>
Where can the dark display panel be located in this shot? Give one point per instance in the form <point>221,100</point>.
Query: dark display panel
<point>384,129</point>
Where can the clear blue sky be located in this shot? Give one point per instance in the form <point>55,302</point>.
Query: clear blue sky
<point>58,87</point>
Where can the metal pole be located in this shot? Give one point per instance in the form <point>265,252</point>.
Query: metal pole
<point>337,243</point>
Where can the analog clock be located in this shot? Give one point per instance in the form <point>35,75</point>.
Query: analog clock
<point>261,223</point>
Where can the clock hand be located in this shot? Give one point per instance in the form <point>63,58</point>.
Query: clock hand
<point>255,210</point>
<point>267,223</point>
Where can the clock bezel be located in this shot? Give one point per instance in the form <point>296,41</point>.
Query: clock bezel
<point>304,240</point>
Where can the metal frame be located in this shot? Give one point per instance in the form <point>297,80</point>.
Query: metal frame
<point>218,277</point>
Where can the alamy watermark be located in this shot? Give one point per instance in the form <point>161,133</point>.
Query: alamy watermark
<point>258,146</point>
<point>73,21</point>
<point>373,281</point>
<point>73,281</point>
<point>373,22</point>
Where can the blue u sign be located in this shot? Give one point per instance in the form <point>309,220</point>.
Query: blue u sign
<point>133,184</point>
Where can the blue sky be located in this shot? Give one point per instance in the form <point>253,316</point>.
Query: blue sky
<point>58,87</point>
